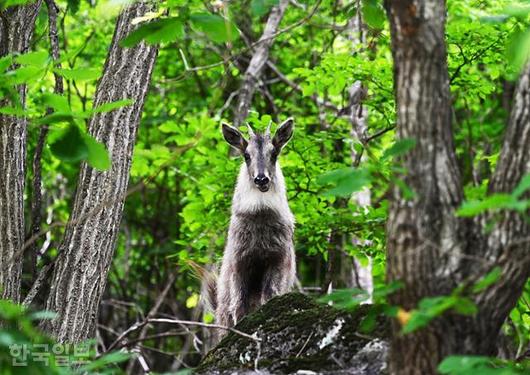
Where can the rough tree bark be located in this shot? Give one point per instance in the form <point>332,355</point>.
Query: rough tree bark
<point>429,249</point>
<point>16,29</point>
<point>257,62</point>
<point>85,255</point>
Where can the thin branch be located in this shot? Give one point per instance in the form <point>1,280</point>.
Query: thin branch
<point>248,48</point>
<point>380,133</point>
<point>37,285</point>
<point>36,199</point>
<point>259,58</point>
<point>139,325</point>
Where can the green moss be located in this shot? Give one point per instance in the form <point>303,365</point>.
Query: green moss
<point>292,327</point>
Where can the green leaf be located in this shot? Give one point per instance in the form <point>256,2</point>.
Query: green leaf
<point>38,58</point>
<point>428,309</point>
<point>59,103</point>
<point>477,365</point>
<point>42,315</point>
<point>405,190</point>
<point>4,4</point>
<point>103,362</point>
<point>107,107</point>
<point>465,306</point>
<point>522,186</point>
<point>80,74</point>
<point>347,299</point>
<point>7,339</point>
<point>12,111</point>
<point>475,207</point>
<point>487,280</point>
<point>373,13</point>
<point>5,62</point>
<point>518,50</point>
<point>262,7</point>
<point>98,157</point>
<point>10,310</point>
<point>345,181</point>
<point>163,30</point>
<point>399,148</point>
<point>71,146</point>
<point>56,117</point>
<point>517,10</point>
<point>417,320</point>
<point>73,5</point>
<point>24,74</point>
<point>216,28</point>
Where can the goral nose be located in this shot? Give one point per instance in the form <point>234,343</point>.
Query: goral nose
<point>261,180</point>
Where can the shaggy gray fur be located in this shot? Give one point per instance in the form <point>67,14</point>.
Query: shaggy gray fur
<point>259,260</point>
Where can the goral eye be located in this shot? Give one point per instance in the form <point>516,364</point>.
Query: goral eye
<point>246,156</point>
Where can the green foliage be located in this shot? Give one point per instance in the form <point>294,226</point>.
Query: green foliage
<point>499,201</point>
<point>217,28</point>
<point>262,7</point>
<point>345,181</point>
<point>183,178</point>
<point>471,365</point>
<point>459,301</point>
<point>70,146</point>
<point>4,4</point>
<point>373,13</point>
<point>25,350</point>
<point>430,308</point>
<point>163,30</point>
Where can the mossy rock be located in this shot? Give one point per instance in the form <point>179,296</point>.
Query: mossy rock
<point>299,335</point>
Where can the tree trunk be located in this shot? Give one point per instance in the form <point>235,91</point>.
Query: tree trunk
<point>85,254</point>
<point>429,249</point>
<point>16,29</point>
<point>258,61</point>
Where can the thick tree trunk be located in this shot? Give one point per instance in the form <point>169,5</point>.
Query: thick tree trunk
<point>16,29</point>
<point>85,254</point>
<point>258,61</point>
<point>428,248</point>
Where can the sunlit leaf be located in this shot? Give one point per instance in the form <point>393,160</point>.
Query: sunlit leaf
<point>345,181</point>
<point>79,74</point>
<point>518,50</point>
<point>475,207</point>
<point>163,30</point>
<point>373,13</point>
<point>216,28</point>
<point>399,148</point>
<point>38,58</point>
<point>98,156</point>
<point>4,4</point>
<point>489,279</point>
<point>12,111</point>
<point>5,62</point>
<point>24,74</point>
<point>522,186</point>
<point>57,102</point>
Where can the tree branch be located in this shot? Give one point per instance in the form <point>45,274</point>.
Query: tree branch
<point>257,62</point>
<point>36,198</point>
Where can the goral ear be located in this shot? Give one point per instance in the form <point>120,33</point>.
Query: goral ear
<point>234,137</point>
<point>283,134</point>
